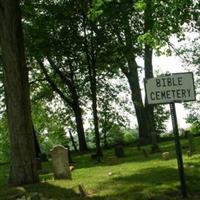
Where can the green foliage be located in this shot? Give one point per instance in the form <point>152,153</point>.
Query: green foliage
<point>109,32</point>
<point>123,135</point>
<point>130,136</point>
<point>140,5</point>
<point>161,115</point>
<point>195,128</point>
<point>115,135</point>
<point>167,18</point>
<point>49,127</point>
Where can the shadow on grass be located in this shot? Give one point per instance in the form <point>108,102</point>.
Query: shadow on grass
<point>148,184</point>
<point>152,184</point>
<point>46,190</point>
<point>52,191</point>
<point>192,170</point>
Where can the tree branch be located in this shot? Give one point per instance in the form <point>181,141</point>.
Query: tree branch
<point>37,80</point>
<point>53,85</point>
<point>59,72</point>
<point>178,53</point>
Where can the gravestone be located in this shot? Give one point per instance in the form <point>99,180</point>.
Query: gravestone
<point>166,155</point>
<point>60,161</point>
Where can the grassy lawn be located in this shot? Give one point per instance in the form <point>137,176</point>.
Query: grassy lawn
<point>133,177</point>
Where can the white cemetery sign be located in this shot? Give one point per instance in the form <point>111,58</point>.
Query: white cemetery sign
<point>177,87</point>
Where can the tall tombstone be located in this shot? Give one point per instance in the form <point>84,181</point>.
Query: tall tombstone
<point>60,161</point>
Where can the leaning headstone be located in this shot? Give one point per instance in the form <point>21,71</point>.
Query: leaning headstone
<point>60,161</point>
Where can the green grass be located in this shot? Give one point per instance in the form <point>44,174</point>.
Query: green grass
<point>133,177</point>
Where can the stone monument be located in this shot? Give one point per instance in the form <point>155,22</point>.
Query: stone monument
<point>60,161</point>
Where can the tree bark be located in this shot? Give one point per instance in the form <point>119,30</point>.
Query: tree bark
<point>77,111</point>
<point>91,56</point>
<point>93,85</point>
<point>148,67</point>
<point>73,142</point>
<point>133,80</point>
<point>79,126</point>
<point>37,145</point>
<point>23,157</point>
<point>131,72</point>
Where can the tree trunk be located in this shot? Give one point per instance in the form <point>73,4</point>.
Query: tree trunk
<point>131,72</point>
<point>133,80</point>
<point>73,142</point>
<point>150,108</point>
<point>72,102</point>
<point>37,146</point>
<point>77,112</point>
<point>91,55</point>
<point>23,157</point>
<point>79,125</point>
<point>93,85</point>
<point>148,67</point>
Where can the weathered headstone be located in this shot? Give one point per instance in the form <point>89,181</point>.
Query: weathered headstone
<point>60,161</point>
<point>166,155</point>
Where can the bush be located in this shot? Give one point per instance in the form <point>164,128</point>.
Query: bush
<point>121,135</point>
<point>130,136</point>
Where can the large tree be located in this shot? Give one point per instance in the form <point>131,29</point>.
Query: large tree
<point>23,157</point>
<point>136,28</point>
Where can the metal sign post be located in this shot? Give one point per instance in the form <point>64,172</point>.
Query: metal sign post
<point>172,88</point>
<point>178,150</point>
